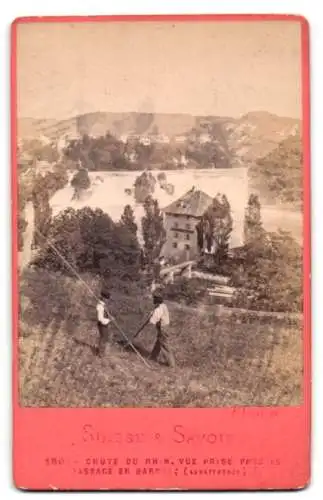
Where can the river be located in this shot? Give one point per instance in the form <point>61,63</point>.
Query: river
<point>108,193</point>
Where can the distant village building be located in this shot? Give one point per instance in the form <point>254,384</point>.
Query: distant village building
<point>205,138</point>
<point>145,140</point>
<point>25,159</point>
<point>130,137</point>
<point>204,123</point>
<point>182,161</point>
<point>45,140</point>
<point>134,138</point>
<point>42,167</point>
<point>61,144</point>
<point>181,219</point>
<point>132,156</point>
<point>97,130</point>
<point>161,139</point>
<point>124,138</point>
<point>180,138</point>
<point>32,164</point>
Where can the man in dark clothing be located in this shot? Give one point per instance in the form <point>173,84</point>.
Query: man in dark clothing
<point>160,319</point>
<point>103,321</point>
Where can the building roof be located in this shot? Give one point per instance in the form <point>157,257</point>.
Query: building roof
<point>193,203</point>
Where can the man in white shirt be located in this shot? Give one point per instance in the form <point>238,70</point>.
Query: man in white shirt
<point>160,319</point>
<point>103,322</point>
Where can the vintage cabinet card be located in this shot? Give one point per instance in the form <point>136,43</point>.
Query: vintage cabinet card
<point>161,252</point>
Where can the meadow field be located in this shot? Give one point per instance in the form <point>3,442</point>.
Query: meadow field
<point>221,360</point>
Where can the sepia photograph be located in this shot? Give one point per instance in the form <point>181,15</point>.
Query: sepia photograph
<point>160,213</point>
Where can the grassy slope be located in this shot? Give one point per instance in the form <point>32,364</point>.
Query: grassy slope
<point>220,361</point>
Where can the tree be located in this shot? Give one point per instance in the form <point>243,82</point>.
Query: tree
<point>37,148</point>
<point>216,226</point>
<point>215,152</point>
<point>90,241</point>
<point>128,219</point>
<point>80,182</point>
<point>38,189</point>
<point>44,187</point>
<point>162,179</point>
<point>200,235</point>
<point>64,233</point>
<point>22,226</point>
<point>54,180</point>
<point>252,222</point>
<point>154,233</point>
<point>98,153</point>
<point>42,210</point>
<point>107,244</point>
<point>21,222</point>
<point>144,186</point>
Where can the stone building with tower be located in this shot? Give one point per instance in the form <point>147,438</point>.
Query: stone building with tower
<point>181,219</point>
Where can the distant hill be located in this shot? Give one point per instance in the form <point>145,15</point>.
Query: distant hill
<point>99,123</point>
<point>30,128</point>
<point>241,140</point>
<point>256,134</point>
<point>278,175</point>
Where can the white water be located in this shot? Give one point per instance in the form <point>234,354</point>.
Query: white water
<point>110,196</point>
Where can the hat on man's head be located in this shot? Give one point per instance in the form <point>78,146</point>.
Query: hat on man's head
<point>158,296</point>
<point>105,294</point>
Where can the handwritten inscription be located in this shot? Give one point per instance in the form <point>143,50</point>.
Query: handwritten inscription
<point>254,413</point>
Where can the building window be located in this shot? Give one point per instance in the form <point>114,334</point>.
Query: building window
<point>175,245</point>
<point>176,235</point>
<point>188,226</point>
<point>187,236</point>
<point>187,247</point>
<point>175,224</point>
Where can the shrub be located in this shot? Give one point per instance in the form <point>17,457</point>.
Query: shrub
<point>272,276</point>
<point>188,291</point>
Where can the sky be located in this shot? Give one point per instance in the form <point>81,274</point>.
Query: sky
<point>214,68</point>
